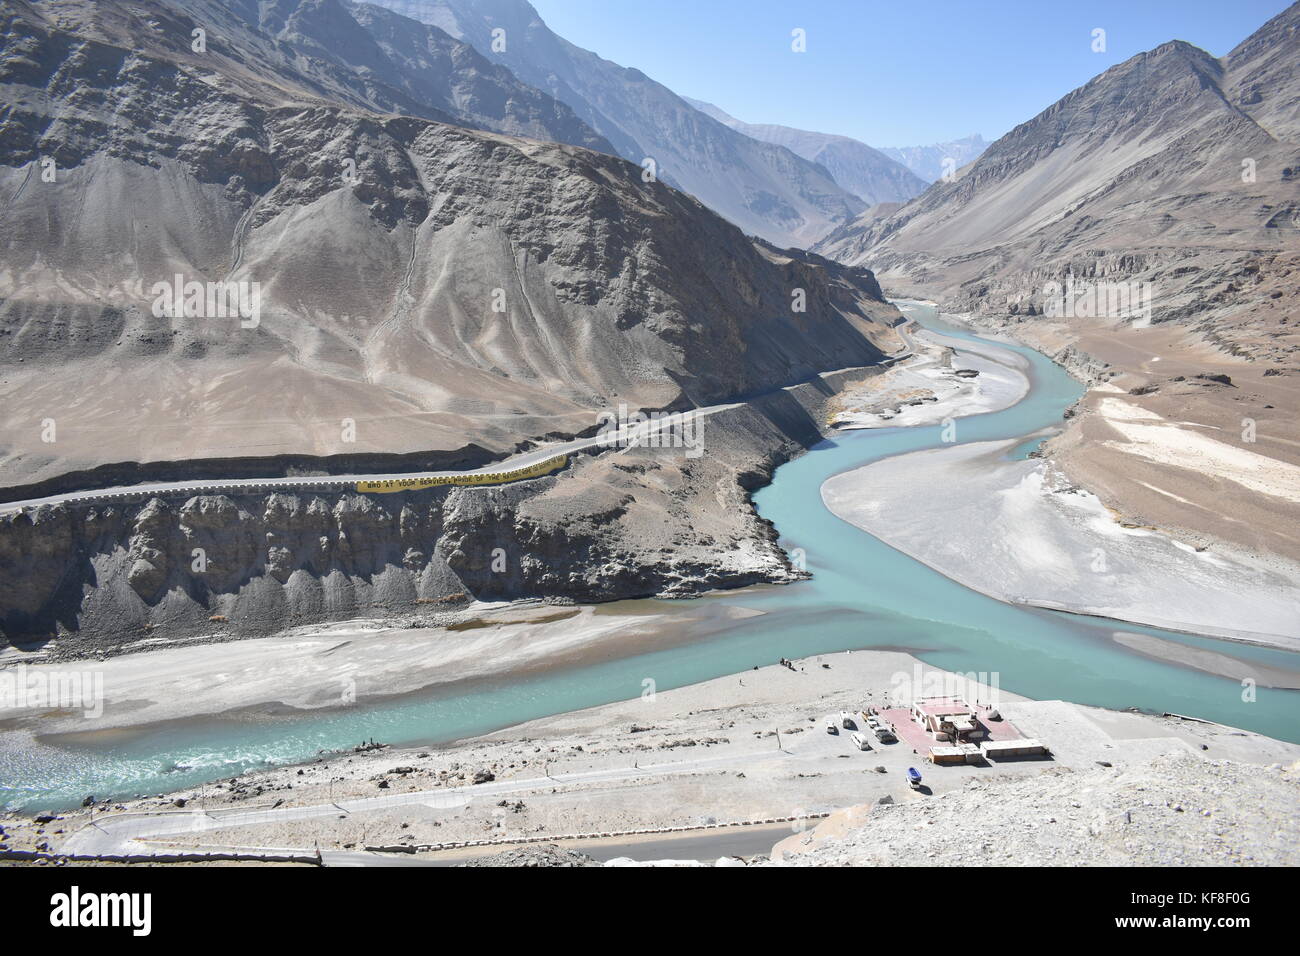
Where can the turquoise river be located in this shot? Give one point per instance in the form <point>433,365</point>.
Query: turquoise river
<point>863,594</point>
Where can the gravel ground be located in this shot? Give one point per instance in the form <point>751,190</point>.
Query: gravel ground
<point>1178,809</point>
<point>550,855</point>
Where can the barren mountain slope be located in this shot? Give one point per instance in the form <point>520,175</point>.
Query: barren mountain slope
<point>764,189</point>
<point>1177,171</point>
<point>1261,76</point>
<point>462,288</point>
<point>1135,176</point>
<point>328,51</point>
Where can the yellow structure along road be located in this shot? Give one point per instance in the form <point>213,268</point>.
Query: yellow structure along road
<point>536,470</point>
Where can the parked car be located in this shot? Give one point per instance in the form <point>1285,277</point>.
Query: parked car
<point>860,741</point>
<point>831,727</point>
<point>885,734</point>
<point>846,721</point>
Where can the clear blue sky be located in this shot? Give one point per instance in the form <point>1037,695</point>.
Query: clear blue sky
<point>891,73</point>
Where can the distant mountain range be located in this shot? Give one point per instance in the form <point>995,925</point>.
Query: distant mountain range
<point>764,188</point>
<point>868,173</point>
<point>930,162</point>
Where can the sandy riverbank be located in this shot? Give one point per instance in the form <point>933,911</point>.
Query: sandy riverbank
<point>1016,530</point>
<point>1023,532</point>
<point>945,376</point>
<point>1176,432</point>
<point>353,663</point>
<point>745,747</point>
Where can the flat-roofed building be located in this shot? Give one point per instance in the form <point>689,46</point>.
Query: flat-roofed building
<point>947,718</point>
<point>961,753</point>
<point>1010,749</point>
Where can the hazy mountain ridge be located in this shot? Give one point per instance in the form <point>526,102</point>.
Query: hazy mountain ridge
<point>927,162</point>
<point>765,189</point>
<point>866,172</point>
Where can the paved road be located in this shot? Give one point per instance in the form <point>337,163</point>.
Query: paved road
<point>124,833</point>
<point>624,436</point>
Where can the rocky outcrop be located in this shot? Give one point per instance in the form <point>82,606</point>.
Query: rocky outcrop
<point>535,856</point>
<point>1176,809</point>
<point>87,578</point>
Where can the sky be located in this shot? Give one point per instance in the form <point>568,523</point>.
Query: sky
<point>891,73</point>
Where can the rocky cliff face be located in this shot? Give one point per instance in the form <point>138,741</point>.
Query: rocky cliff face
<point>86,579</point>
<point>422,286</point>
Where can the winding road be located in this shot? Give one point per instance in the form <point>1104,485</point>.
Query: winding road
<point>528,464</point>
<point>127,834</point>
<point>523,465</point>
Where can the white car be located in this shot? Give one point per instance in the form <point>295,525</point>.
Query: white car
<point>831,727</point>
<point>860,741</point>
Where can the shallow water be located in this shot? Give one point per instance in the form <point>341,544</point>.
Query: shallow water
<point>863,594</point>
